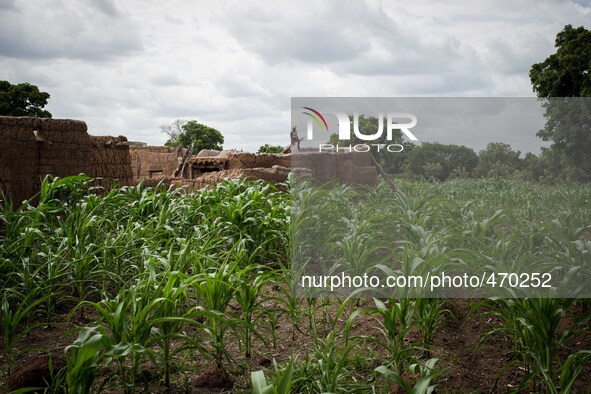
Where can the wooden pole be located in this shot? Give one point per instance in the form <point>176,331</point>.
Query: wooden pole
<point>383,173</point>
<point>180,170</point>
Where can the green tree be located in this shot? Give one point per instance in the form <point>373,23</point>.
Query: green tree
<point>567,72</point>
<point>559,79</point>
<point>497,160</point>
<point>23,99</point>
<point>271,149</point>
<point>439,161</point>
<point>200,135</point>
<point>532,167</point>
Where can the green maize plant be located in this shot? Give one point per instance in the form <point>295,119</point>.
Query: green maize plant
<point>282,380</point>
<point>331,360</point>
<point>113,314</point>
<point>164,284</point>
<point>532,325</point>
<point>250,282</point>
<point>168,317</point>
<point>143,300</point>
<point>215,288</point>
<point>78,234</point>
<point>326,369</point>
<point>569,371</point>
<point>396,319</point>
<point>14,309</point>
<point>273,315</point>
<point>332,353</point>
<point>151,314</point>
<point>418,379</point>
<point>429,312</point>
<point>53,278</point>
<point>357,249</point>
<point>288,302</point>
<point>83,358</point>
<point>314,305</point>
<point>127,319</point>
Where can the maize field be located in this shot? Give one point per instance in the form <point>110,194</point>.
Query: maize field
<point>154,290</point>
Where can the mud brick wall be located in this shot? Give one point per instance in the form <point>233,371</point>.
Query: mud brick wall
<point>64,147</point>
<point>148,161</point>
<point>110,160</point>
<point>251,160</point>
<point>353,168</point>
<point>19,158</point>
<point>31,148</point>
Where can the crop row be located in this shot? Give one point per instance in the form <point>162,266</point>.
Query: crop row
<point>153,276</point>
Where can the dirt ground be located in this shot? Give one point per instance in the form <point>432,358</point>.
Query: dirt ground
<point>488,370</point>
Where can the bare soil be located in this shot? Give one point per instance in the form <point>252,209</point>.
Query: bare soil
<point>469,368</point>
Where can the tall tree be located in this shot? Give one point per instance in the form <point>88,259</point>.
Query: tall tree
<point>200,135</point>
<point>567,72</point>
<point>497,160</point>
<point>23,99</point>
<point>439,161</point>
<point>560,79</point>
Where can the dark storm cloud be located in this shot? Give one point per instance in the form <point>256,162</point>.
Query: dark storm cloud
<point>75,30</point>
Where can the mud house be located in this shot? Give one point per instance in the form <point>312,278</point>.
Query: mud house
<point>31,148</point>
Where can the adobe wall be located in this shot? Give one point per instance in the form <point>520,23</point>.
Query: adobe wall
<point>31,148</point>
<point>154,161</point>
<point>159,162</point>
<point>238,160</point>
<point>354,168</point>
<point>110,161</point>
<point>150,162</point>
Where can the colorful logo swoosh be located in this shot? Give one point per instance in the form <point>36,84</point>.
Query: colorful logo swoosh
<point>317,116</point>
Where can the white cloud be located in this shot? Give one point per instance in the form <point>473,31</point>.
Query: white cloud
<point>92,31</point>
<point>129,67</point>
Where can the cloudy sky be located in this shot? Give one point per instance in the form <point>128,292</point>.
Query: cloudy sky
<point>127,67</point>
